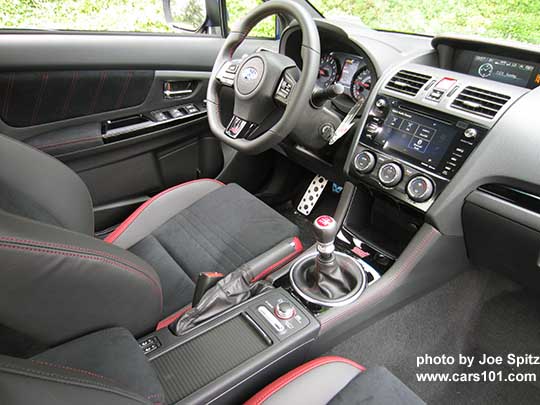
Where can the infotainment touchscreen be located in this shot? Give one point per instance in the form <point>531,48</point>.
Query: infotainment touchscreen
<point>417,136</point>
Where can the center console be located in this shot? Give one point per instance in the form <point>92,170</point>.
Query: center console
<point>227,358</point>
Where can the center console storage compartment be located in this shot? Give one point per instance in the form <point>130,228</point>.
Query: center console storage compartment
<point>208,356</point>
<point>230,357</point>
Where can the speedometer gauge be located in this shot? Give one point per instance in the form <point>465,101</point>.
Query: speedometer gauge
<point>361,84</point>
<point>328,71</point>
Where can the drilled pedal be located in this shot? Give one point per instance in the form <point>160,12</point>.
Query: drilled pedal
<point>312,195</point>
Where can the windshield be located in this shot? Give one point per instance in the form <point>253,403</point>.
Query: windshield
<point>517,20</point>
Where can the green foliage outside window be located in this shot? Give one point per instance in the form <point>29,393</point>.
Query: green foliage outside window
<point>239,8</point>
<point>517,20</point>
<point>510,19</point>
<point>91,15</point>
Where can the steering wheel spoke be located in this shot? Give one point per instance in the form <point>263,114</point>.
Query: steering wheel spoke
<point>240,128</point>
<point>228,71</point>
<point>285,88</point>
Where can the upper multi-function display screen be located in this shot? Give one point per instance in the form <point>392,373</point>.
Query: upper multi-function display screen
<point>501,70</point>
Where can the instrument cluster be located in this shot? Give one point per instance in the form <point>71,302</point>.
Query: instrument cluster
<point>351,71</point>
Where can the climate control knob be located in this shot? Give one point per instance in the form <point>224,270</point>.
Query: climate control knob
<point>364,162</point>
<point>420,189</point>
<point>390,174</point>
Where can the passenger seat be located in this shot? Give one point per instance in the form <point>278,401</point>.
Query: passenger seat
<point>336,380</point>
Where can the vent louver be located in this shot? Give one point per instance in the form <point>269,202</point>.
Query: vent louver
<point>407,82</point>
<point>480,102</point>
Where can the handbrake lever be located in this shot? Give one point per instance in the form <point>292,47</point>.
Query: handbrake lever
<point>205,281</point>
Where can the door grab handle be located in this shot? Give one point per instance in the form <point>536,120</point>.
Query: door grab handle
<point>175,93</point>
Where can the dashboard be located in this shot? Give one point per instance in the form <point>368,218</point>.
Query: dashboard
<point>442,117</point>
<point>448,144</point>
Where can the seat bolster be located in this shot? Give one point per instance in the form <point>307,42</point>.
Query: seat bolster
<point>159,209</point>
<point>62,284</point>
<point>314,383</point>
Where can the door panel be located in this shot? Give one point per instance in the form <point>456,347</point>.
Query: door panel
<point>33,98</point>
<point>97,102</point>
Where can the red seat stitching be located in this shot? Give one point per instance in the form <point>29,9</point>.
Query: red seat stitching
<point>87,257</point>
<point>76,248</point>
<point>79,370</point>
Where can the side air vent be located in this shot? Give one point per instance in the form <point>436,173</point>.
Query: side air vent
<point>407,82</point>
<point>480,102</point>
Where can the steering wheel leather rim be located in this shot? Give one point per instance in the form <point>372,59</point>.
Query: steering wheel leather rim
<point>298,98</point>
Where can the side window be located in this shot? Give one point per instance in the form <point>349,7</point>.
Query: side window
<point>156,16</point>
<point>86,15</point>
<point>236,9</point>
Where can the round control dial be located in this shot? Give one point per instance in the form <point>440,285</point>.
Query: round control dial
<point>364,162</point>
<point>420,189</point>
<point>390,174</point>
<point>284,310</point>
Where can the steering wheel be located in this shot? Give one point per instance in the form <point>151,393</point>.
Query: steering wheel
<point>265,83</point>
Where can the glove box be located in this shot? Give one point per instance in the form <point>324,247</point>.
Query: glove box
<point>502,232</point>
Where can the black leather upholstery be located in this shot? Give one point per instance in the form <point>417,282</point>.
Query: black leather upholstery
<point>56,284</point>
<point>106,367</point>
<point>36,186</point>
<point>334,381</point>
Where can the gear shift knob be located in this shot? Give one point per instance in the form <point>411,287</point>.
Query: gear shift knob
<point>325,229</point>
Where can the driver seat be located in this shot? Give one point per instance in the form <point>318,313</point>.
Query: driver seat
<point>58,281</point>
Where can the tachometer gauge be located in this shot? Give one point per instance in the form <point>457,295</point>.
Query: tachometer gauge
<point>361,84</point>
<point>328,71</point>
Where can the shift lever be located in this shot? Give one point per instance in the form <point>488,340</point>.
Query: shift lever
<point>326,276</point>
<point>325,230</point>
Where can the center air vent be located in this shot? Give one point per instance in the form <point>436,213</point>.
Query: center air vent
<point>407,82</point>
<point>480,102</point>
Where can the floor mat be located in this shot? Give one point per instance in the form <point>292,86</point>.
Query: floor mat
<point>475,314</point>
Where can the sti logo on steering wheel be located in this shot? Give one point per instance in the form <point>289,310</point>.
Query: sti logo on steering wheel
<point>249,73</point>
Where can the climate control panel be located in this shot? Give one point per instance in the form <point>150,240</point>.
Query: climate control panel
<point>396,177</point>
